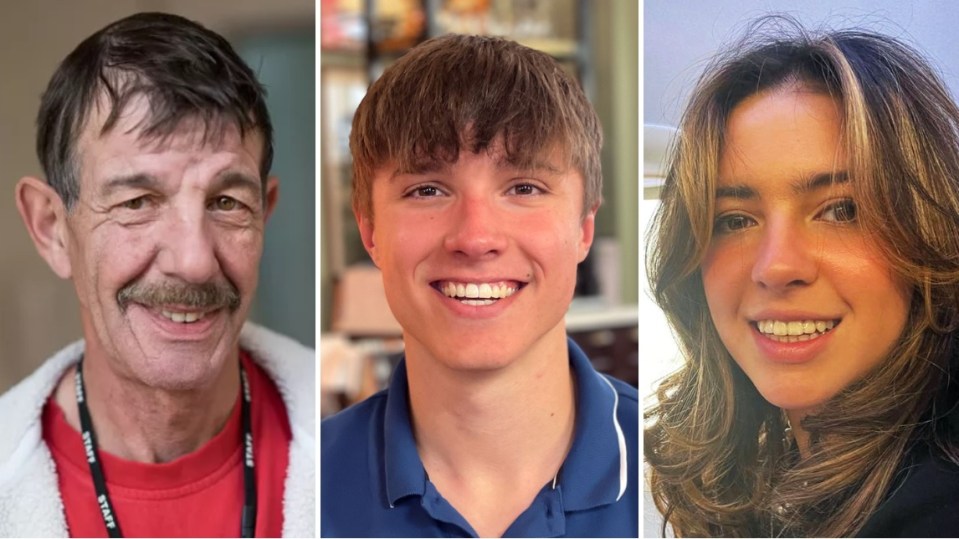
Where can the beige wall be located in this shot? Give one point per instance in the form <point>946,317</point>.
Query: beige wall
<point>38,312</point>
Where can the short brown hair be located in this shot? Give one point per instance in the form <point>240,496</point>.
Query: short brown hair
<point>183,69</point>
<point>471,91</point>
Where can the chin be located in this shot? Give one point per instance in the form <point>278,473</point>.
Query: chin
<point>484,358</point>
<point>793,398</point>
<point>182,373</point>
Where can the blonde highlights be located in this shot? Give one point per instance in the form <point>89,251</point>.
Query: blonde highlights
<point>721,459</point>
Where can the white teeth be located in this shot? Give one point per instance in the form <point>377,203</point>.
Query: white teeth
<point>794,330</point>
<point>485,290</point>
<point>183,318</point>
<point>478,301</point>
<point>482,293</point>
<point>472,291</point>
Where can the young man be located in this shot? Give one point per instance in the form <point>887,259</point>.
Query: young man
<point>476,184</point>
<point>174,417</point>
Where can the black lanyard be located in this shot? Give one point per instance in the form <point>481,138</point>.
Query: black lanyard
<point>248,518</point>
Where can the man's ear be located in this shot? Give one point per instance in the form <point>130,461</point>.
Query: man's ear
<point>365,224</point>
<point>272,193</point>
<point>44,215</point>
<point>588,229</point>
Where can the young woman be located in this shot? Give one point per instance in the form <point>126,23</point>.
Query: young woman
<point>806,254</point>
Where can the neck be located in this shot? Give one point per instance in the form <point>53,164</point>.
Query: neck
<point>489,440</point>
<point>145,424</point>
<point>514,422</point>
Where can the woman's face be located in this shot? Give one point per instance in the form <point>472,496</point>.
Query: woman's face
<point>798,292</point>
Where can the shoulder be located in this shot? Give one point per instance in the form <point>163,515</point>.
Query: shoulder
<point>627,404</point>
<point>352,469</point>
<point>272,348</point>
<point>21,406</point>
<point>627,394</point>
<point>626,397</point>
<point>347,431</point>
<point>30,503</point>
<point>292,368</point>
<point>922,502</point>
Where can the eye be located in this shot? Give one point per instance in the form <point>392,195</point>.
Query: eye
<point>224,203</point>
<point>424,191</point>
<point>726,224</point>
<point>525,189</point>
<point>843,211</point>
<point>137,203</point>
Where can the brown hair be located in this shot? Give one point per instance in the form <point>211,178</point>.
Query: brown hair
<point>458,91</point>
<point>183,69</point>
<point>720,456</point>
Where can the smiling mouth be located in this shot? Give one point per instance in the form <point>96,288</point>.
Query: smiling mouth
<point>794,330</point>
<point>182,317</point>
<point>477,294</point>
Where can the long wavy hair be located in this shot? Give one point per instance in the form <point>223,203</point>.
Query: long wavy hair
<point>721,461</point>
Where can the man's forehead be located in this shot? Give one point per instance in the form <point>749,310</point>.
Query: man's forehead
<point>552,162</point>
<point>131,133</point>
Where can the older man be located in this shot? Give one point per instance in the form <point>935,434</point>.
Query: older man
<point>174,416</point>
<point>476,184</point>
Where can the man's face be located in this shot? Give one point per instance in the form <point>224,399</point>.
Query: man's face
<point>479,258</point>
<point>164,245</point>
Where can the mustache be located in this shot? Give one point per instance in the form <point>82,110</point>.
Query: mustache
<point>208,296</point>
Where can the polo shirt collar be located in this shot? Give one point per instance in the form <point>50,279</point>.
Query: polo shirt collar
<point>593,474</point>
<point>405,474</point>
<point>595,470</point>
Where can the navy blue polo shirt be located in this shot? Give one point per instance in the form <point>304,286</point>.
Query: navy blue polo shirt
<point>373,483</point>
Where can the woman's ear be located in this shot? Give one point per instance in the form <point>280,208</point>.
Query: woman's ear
<point>44,215</point>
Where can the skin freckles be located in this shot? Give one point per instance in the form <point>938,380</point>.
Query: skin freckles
<point>787,246</point>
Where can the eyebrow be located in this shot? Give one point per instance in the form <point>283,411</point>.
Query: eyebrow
<point>232,178</point>
<point>225,180</point>
<point>814,182</point>
<point>134,181</point>
<point>535,165</point>
<point>500,163</point>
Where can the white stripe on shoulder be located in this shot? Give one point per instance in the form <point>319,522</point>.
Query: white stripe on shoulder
<point>623,473</point>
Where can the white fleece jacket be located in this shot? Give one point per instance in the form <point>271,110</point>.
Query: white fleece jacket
<point>30,503</point>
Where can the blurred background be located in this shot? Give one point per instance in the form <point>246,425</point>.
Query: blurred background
<point>39,312</point>
<point>598,43</point>
<point>680,38</point>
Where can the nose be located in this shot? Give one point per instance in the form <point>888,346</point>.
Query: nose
<point>787,258</point>
<point>187,248</point>
<point>477,230</point>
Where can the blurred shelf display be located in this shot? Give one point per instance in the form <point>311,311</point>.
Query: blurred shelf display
<point>397,25</point>
<point>609,336</point>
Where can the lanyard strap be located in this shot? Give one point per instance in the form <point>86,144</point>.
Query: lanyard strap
<point>248,517</point>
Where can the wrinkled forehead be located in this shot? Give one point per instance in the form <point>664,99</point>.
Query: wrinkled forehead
<point>133,130</point>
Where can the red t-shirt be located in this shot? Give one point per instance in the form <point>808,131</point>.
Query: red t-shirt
<point>197,495</point>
